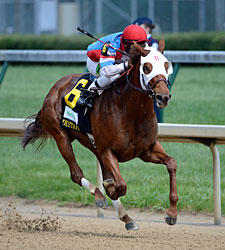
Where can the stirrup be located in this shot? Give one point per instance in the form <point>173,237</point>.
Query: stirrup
<point>86,99</point>
<point>88,90</point>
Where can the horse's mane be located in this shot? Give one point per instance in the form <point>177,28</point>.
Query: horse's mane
<point>134,56</point>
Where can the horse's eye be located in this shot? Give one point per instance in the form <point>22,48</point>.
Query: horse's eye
<point>146,69</point>
<point>166,65</point>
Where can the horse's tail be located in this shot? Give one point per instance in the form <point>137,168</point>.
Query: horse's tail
<point>34,131</point>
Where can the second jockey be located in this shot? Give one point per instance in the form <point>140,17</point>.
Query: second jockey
<point>102,61</point>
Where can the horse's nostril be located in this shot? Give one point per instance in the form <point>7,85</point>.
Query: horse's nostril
<point>162,98</point>
<point>166,98</point>
<point>169,97</point>
<point>159,98</point>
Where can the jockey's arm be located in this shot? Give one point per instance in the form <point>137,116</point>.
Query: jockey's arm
<point>114,69</point>
<point>109,71</point>
<point>108,66</point>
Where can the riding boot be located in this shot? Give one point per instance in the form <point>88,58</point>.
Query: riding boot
<point>87,97</point>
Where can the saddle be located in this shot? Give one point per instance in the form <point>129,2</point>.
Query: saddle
<point>75,116</point>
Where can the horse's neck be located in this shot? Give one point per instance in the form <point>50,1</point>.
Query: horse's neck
<point>135,101</point>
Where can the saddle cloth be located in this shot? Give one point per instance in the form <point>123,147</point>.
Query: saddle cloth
<point>75,116</point>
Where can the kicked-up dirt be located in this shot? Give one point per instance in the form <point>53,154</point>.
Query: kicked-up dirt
<point>26,225</point>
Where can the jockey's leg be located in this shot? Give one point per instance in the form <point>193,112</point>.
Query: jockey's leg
<point>104,81</point>
<point>107,74</point>
<point>93,67</point>
<point>87,97</point>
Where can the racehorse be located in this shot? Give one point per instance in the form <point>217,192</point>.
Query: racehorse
<point>124,126</point>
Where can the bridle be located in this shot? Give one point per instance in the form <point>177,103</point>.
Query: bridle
<point>149,89</point>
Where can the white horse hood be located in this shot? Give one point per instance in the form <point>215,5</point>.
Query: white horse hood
<point>157,60</point>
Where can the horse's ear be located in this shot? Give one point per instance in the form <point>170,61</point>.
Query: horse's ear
<point>141,50</point>
<point>161,46</point>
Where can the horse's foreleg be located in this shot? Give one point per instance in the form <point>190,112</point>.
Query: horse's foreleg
<point>110,188</point>
<point>157,155</point>
<point>111,165</point>
<point>130,224</point>
<point>76,173</point>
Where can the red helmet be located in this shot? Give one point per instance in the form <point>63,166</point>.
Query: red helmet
<point>134,33</point>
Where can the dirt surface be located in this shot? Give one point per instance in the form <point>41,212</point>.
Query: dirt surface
<point>42,225</point>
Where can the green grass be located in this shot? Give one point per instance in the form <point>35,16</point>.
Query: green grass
<point>197,97</point>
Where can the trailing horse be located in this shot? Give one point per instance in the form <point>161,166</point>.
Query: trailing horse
<point>123,124</point>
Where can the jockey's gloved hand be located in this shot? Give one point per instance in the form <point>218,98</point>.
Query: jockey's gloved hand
<point>130,62</point>
<point>105,50</point>
<point>127,64</point>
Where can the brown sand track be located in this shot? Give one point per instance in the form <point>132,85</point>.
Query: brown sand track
<point>24,228</point>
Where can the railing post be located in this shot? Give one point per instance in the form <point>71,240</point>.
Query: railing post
<point>4,69</point>
<point>216,184</point>
<point>172,77</point>
<point>100,212</point>
<point>160,112</point>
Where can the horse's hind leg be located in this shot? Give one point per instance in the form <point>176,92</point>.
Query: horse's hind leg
<point>157,155</point>
<point>77,176</point>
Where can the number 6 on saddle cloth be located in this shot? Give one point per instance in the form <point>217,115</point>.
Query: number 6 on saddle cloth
<point>74,116</point>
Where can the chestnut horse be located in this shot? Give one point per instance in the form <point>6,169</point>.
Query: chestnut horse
<point>124,127</point>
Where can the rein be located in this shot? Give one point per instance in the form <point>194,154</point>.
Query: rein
<point>149,90</point>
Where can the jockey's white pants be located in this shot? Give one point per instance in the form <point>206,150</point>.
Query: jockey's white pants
<point>107,74</point>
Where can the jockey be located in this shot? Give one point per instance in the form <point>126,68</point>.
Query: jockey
<point>148,26</point>
<point>102,60</point>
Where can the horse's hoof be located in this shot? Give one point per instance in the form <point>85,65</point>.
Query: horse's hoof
<point>102,203</point>
<point>170,220</point>
<point>132,226</point>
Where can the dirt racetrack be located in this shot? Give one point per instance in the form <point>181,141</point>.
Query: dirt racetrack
<point>40,225</point>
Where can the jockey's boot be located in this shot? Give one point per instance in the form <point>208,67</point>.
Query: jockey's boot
<point>88,96</point>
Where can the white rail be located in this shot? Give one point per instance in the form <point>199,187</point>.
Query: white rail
<point>209,135</point>
<point>80,56</point>
<point>43,55</point>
